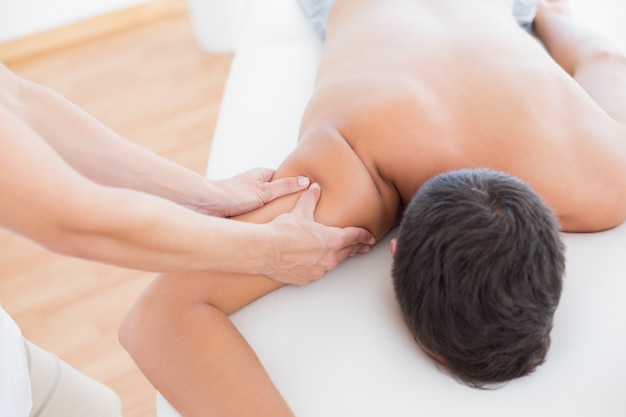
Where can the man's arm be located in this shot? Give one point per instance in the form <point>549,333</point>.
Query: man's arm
<point>182,320</point>
<point>180,336</point>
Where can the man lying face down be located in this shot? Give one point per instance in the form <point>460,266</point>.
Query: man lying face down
<point>448,117</point>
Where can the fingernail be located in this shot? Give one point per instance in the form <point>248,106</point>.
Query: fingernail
<point>303,181</point>
<point>315,186</point>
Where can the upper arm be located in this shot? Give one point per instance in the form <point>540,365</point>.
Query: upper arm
<point>586,184</point>
<point>351,194</point>
<point>171,303</point>
<point>349,197</point>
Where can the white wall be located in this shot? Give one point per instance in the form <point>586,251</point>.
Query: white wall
<point>25,17</point>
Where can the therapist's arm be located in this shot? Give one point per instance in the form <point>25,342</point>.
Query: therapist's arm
<point>125,206</point>
<point>100,154</point>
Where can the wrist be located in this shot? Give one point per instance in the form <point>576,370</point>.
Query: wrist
<point>204,196</point>
<point>208,199</point>
<point>266,251</point>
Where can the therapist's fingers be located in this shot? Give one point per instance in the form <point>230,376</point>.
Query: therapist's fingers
<point>307,249</point>
<point>352,240</point>
<point>306,204</point>
<point>252,189</point>
<point>271,190</point>
<point>356,240</point>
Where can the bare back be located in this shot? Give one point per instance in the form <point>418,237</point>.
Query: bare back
<point>421,87</point>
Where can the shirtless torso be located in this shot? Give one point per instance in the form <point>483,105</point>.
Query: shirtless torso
<point>433,86</point>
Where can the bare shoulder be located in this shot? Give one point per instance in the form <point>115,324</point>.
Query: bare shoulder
<point>596,196</point>
<point>352,195</point>
<point>578,168</point>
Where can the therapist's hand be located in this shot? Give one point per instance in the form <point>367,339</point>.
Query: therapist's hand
<point>307,249</point>
<point>251,190</point>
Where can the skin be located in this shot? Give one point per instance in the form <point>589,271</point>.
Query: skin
<point>95,195</point>
<point>430,86</point>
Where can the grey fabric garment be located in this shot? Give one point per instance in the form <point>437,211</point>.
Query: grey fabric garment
<point>316,12</point>
<point>524,12</point>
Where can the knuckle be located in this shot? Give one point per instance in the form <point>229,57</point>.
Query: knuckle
<point>335,242</point>
<point>263,186</point>
<point>317,276</point>
<point>331,263</point>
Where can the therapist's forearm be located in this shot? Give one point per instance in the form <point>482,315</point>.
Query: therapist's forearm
<point>47,201</point>
<point>141,231</point>
<point>102,155</point>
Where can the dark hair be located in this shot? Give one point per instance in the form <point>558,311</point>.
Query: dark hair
<point>478,273</point>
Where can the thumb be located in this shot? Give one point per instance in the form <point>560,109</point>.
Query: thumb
<point>264,174</point>
<point>308,201</point>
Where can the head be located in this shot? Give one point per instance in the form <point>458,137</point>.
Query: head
<point>478,269</point>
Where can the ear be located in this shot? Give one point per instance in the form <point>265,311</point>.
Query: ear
<point>392,246</point>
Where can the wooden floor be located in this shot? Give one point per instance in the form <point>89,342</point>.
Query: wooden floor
<point>155,87</point>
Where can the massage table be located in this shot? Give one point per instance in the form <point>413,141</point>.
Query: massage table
<point>339,347</point>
